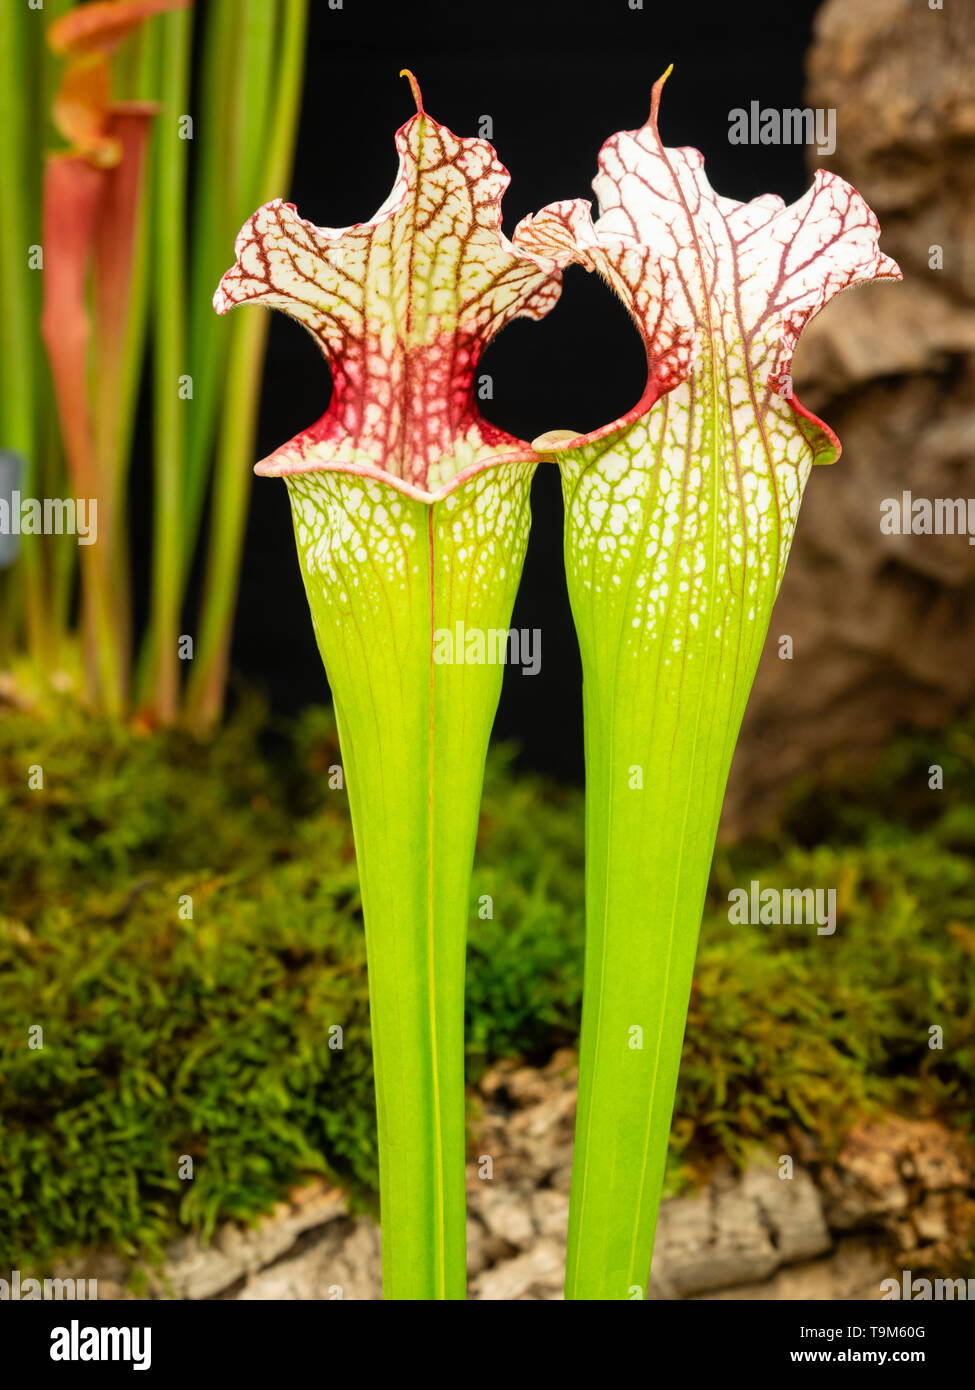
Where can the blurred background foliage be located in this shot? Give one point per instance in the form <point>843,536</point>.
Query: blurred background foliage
<point>166,1036</point>
<point>119,212</point>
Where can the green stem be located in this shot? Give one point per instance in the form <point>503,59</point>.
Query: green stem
<point>20,286</point>
<point>667,668</point>
<point>217,200</point>
<point>231,488</point>
<point>385,575</point>
<point>64,563</point>
<point>6,633</point>
<point>231,494</point>
<point>169,359</point>
<point>143,50</point>
<point>60,561</point>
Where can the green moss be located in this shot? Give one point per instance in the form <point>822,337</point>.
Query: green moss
<point>167,1037</point>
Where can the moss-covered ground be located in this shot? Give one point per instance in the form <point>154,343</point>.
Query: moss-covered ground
<point>182,922</point>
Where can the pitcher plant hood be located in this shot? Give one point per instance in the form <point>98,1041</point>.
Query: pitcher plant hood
<point>720,292</point>
<point>402,306</point>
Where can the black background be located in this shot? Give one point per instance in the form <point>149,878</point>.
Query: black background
<point>223,1338</point>
<point>557,80</point>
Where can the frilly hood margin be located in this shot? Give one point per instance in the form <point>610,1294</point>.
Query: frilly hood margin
<point>402,306</point>
<point>714,286</point>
